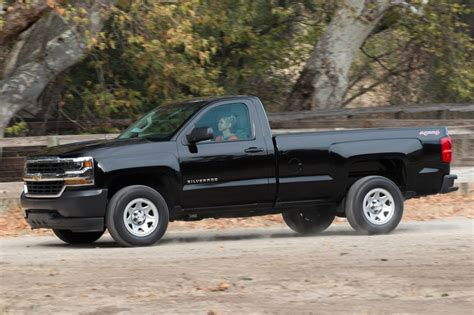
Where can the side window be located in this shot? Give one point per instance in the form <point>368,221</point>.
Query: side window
<point>230,122</point>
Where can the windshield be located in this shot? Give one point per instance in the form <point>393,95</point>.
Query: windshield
<point>162,122</point>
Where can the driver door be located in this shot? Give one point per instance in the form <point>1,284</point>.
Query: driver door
<point>221,172</point>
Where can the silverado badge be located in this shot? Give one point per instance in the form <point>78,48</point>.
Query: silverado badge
<point>202,180</point>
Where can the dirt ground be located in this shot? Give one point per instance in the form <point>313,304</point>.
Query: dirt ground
<point>249,265</point>
<point>423,267</point>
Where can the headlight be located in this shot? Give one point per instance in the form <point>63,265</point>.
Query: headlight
<point>81,172</point>
<point>77,165</point>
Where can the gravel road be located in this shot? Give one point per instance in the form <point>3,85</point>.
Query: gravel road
<point>422,267</point>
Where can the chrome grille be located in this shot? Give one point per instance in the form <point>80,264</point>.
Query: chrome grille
<point>48,177</point>
<point>45,188</point>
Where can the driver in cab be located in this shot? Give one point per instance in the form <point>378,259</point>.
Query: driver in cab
<point>224,126</point>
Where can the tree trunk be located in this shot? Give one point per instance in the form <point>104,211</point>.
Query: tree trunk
<point>324,79</point>
<point>49,101</point>
<point>20,16</point>
<point>41,52</point>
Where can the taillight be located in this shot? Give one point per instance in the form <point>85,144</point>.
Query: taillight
<point>446,149</point>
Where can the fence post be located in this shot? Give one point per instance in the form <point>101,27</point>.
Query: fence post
<point>464,189</point>
<point>52,141</point>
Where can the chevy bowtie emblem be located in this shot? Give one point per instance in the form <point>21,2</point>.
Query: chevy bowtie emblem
<point>36,177</point>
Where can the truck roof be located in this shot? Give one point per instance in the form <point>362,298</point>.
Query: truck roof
<point>209,99</point>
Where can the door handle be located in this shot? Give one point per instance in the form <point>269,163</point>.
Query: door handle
<point>253,150</point>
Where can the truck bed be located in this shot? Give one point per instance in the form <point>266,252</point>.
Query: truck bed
<point>336,158</point>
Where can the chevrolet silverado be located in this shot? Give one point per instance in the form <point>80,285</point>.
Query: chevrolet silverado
<point>217,157</point>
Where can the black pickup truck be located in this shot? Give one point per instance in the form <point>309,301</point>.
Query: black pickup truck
<point>217,157</point>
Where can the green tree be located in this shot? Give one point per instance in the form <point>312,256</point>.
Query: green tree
<point>37,44</point>
<point>152,52</point>
<point>415,50</point>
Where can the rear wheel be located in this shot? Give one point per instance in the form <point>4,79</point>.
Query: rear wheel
<point>70,237</point>
<point>308,221</point>
<point>137,216</point>
<point>374,205</point>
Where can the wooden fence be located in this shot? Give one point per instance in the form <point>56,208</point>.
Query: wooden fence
<point>459,118</point>
<point>434,114</point>
<point>15,149</point>
<point>46,141</point>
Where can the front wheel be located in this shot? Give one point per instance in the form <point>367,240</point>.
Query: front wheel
<point>70,237</point>
<point>137,216</point>
<point>308,221</point>
<point>374,205</point>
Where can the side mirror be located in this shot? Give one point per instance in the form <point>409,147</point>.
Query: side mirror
<point>200,134</point>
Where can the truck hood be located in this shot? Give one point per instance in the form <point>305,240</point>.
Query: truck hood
<point>89,148</point>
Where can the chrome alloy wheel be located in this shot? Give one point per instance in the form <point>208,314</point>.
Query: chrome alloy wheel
<point>141,217</point>
<point>379,206</point>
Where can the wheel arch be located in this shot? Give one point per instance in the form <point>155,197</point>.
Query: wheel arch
<point>392,167</point>
<point>162,179</point>
<point>385,157</point>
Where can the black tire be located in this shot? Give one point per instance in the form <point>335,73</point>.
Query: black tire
<point>354,205</point>
<point>312,221</point>
<point>115,216</point>
<point>70,237</point>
